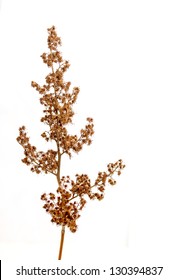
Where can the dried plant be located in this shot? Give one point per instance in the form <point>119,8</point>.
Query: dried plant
<point>66,204</point>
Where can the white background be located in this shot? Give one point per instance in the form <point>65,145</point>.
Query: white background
<point>124,58</point>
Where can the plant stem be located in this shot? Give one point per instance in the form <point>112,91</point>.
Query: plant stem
<point>59,167</point>
<point>61,242</point>
<point>58,179</point>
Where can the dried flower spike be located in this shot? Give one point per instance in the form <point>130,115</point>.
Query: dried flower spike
<point>57,98</point>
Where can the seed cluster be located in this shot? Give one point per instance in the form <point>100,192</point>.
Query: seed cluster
<point>58,99</point>
<point>66,204</point>
<point>39,161</point>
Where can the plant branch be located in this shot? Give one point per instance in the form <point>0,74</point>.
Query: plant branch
<point>38,164</point>
<point>95,185</point>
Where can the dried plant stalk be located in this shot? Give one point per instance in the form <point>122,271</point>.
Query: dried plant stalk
<point>58,99</point>
<point>61,242</point>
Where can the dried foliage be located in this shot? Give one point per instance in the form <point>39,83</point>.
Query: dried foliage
<point>58,98</point>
